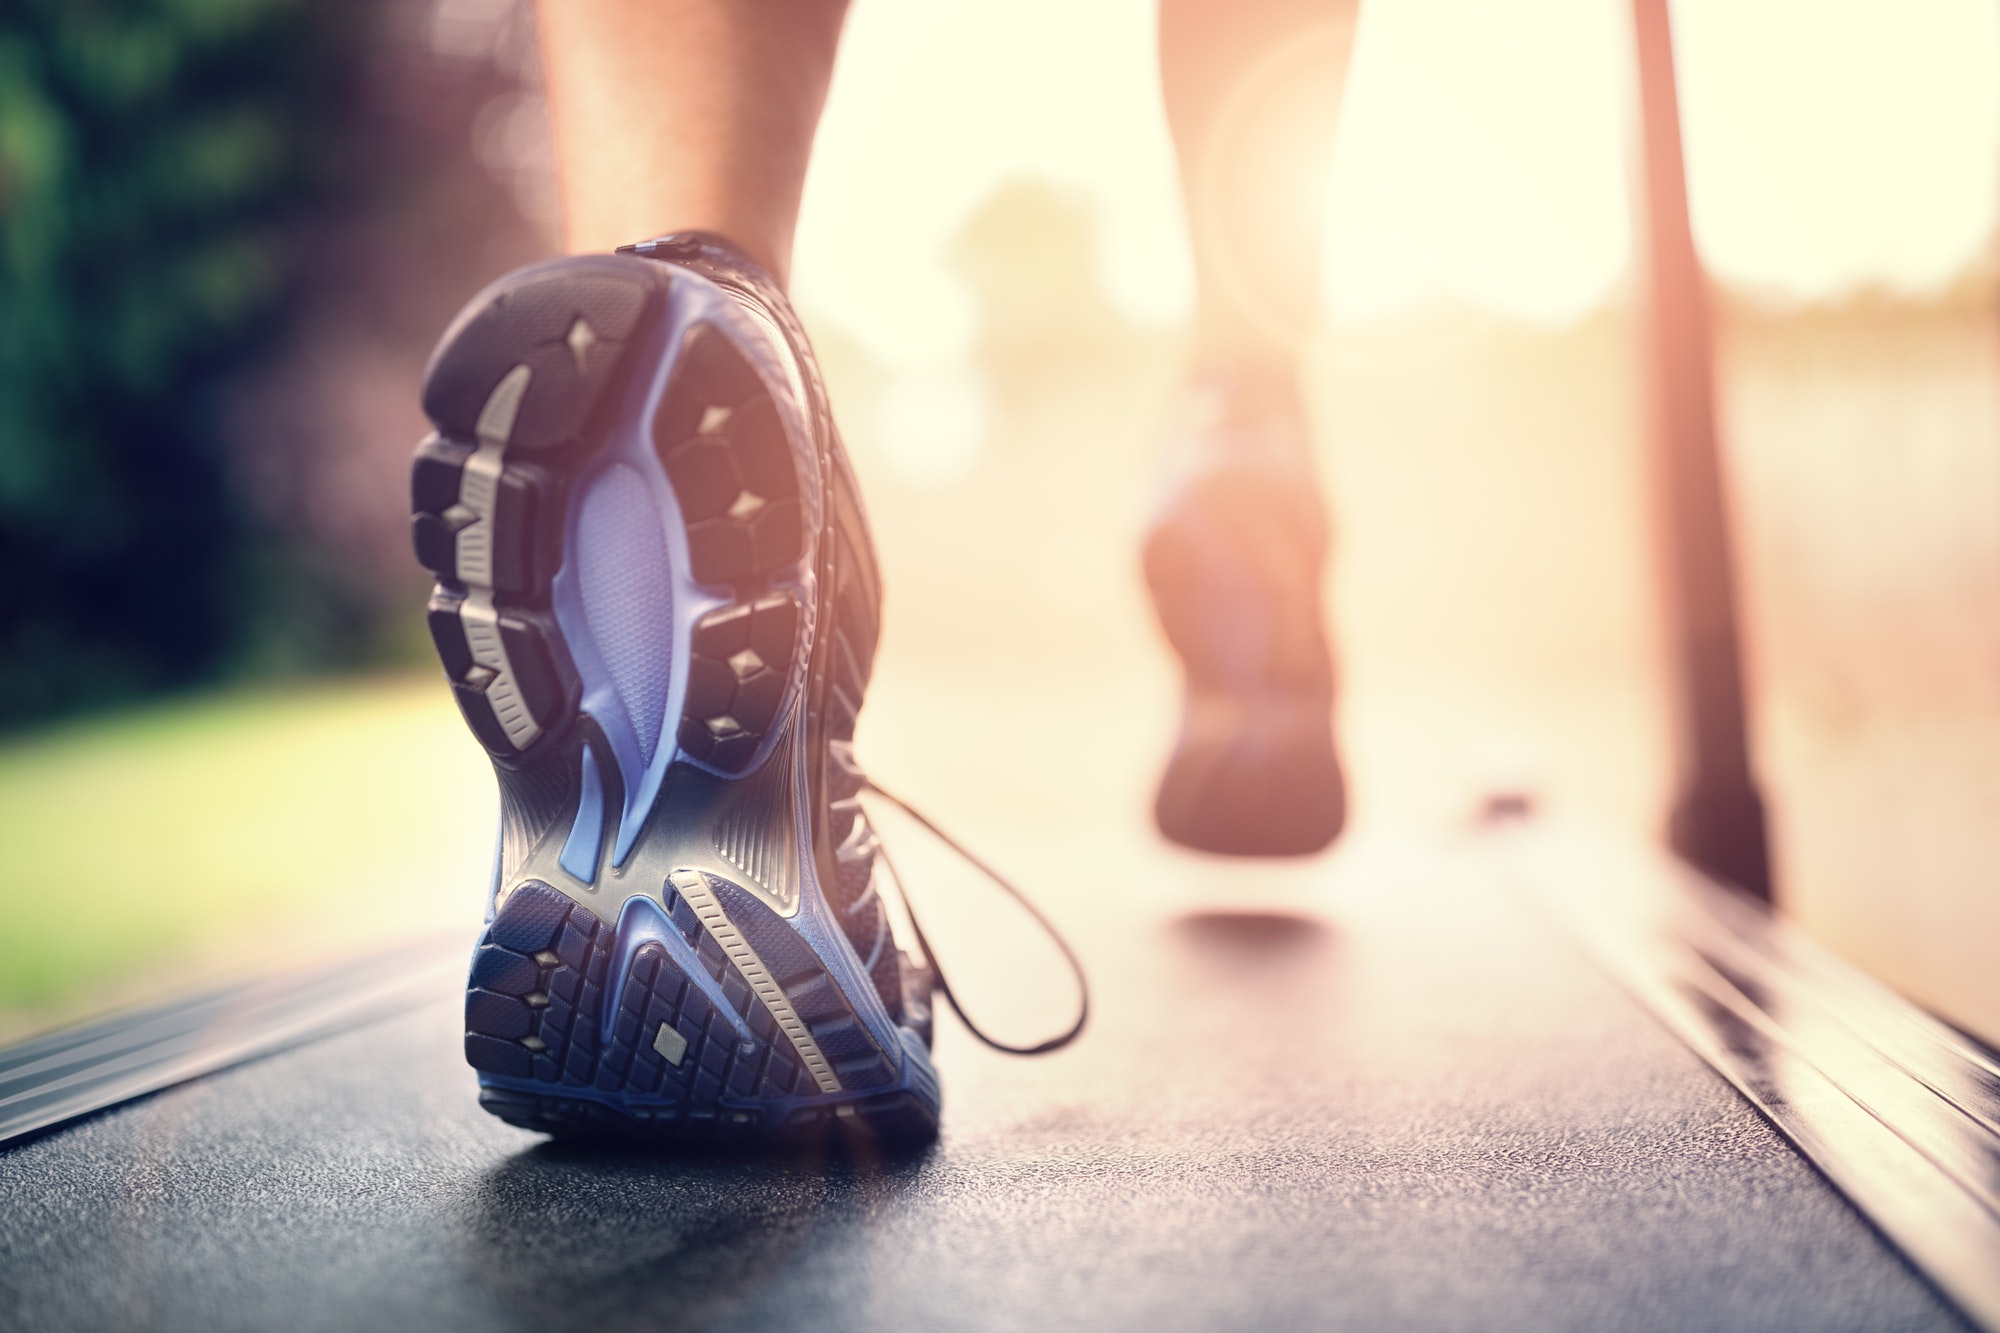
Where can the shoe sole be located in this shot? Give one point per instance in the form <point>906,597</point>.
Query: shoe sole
<point>625,527</point>
<point>1253,771</point>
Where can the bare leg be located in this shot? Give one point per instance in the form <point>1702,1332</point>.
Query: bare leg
<point>686,115</point>
<point>1252,91</point>
<point>1235,553</point>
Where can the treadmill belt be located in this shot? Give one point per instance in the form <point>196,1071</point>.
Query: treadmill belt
<point>1402,1101</point>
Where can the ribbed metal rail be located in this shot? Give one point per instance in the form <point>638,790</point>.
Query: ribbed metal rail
<point>1898,1110</point>
<point>71,1073</point>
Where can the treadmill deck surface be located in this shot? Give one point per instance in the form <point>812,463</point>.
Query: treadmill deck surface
<point>1401,1100</point>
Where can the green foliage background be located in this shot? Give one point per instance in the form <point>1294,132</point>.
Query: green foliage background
<point>153,156</point>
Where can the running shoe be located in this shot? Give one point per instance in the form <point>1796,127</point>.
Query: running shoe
<point>657,604</point>
<point>1233,559</point>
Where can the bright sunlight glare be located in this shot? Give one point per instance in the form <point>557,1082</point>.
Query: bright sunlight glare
<point>1482,156</point>
<point>1837,145</point>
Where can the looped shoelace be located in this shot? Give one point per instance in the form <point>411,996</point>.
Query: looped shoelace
<point>943,986</point>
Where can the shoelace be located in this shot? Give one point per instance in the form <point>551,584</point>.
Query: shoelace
<point>1013,891</point>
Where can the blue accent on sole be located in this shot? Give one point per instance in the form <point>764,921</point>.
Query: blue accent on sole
<point>633,663</point>
<point>628,606</point>
<point>643,922</point>
<point>627,593</point>
<point>586,836</point>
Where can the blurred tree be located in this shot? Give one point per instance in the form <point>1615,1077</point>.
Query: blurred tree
<point>151,152</point>
<point>1051,343</point>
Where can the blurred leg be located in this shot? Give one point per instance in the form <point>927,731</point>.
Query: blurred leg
<point>1252,91</point>
<point>1235,551</point>
<point>686,115</point>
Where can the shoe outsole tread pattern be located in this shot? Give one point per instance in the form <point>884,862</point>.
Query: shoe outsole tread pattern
<point>705,1016</point>
<point>546,969</point>
<point>492,534</point>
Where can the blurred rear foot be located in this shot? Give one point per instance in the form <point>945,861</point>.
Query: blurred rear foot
<point>1234,558</point>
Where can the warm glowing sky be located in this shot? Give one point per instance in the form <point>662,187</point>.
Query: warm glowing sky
<point>1831,145</point>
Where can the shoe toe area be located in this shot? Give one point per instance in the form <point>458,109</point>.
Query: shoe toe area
<point>570,322</point>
